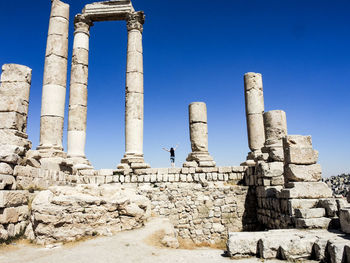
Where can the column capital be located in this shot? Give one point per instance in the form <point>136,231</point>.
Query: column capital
<point>82,24</point>
<point>135,20</point>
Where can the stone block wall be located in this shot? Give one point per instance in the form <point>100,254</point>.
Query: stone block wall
<point>14,214</point>
<point>300,199</point>
<point>14,144</point>
<point>202,203</point>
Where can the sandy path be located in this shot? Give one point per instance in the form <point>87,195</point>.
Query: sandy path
<point>123,247</point>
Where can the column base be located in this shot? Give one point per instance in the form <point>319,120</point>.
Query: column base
<point>199,159</point>
<point>80,162</point>
<point>133,161</point>
<point>255,156</point>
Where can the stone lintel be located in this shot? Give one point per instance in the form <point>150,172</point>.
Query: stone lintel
<point>108,10</point>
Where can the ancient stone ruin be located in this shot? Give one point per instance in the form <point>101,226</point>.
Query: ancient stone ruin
<point>48,195</point>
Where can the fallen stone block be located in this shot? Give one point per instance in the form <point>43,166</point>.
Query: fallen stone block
<point>298,247</point>
<point>303,173</point>
<point>243,244</point>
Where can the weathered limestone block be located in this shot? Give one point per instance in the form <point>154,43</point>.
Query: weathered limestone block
<point>335,249</point>
<point>303,173</point>
<point>273,169</point>
<point>54,71</point>
<point>57,44</point>
<point>7,182</point>
<point>344,216</point>
<point>310,213</point>
<point>78,94</point>
<point>275,123</point>
<point>13,104</point>
<point>199,137</point>
<point>16,73</point>
<point>243,244</point>
<point>13,120</point>
<point>307,190</point>
<point>51,131</point>
<point>11,153</point>
<point>14,137</point>
<point>322,222</point>
<point>298,150</point>
<point>13,198</point>
<point>77,118</point>
<point>331,206</point>
<point>6,168</point>
<point>19,89</point>
<point>255,132</point>
<point>116,210</point>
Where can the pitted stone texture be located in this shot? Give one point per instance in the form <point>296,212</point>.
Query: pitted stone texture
<point>254,104</point>
<point>298,150</point>
<point>275,123</point>
<point>55,78</point>
<point>243,244</point>
<point>116,210</point>
<point>16,73</point>
<point>307,190</point>
<point>303,173</point>
<point>197,112</point>
<point>273,169</point>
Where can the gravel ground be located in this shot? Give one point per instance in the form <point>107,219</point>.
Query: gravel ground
<point>123,247</point>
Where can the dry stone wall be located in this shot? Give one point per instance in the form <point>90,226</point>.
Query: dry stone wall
<point>202,203</point>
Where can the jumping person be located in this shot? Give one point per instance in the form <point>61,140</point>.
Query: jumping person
<point>172,154</point>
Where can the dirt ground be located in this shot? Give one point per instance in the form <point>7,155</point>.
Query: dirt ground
<point>131,246</point>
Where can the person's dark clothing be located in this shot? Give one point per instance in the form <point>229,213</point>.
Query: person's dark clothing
<point>172,152</point>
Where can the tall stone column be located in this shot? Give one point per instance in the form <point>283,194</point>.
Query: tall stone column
<point>55,80</point>
<point>133,157</point>
<point>199,137</point>
<point>254,104</point>
<point>78,90</point>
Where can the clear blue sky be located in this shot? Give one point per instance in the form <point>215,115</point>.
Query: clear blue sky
<point>199,50</point>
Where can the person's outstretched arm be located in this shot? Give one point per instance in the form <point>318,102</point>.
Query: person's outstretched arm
<point>176,147</point>
<point>165,149</point>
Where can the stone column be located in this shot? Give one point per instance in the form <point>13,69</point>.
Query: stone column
<point>275,123</point>
<point>78,90</point>
<point>55,80</point>
<point>134,94</point>
<point>199,137</point>
<point>254,103</point>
